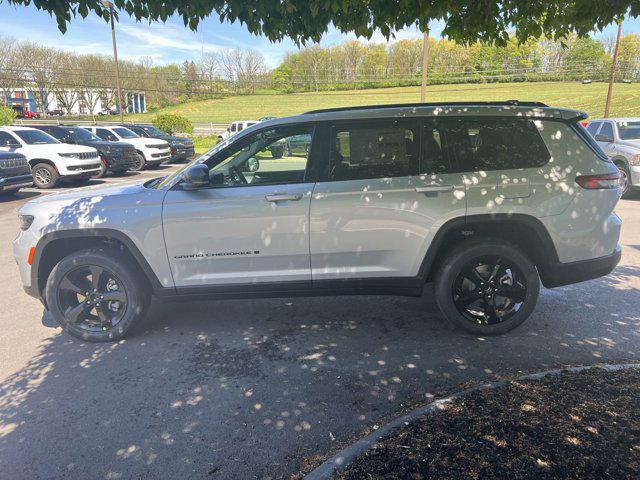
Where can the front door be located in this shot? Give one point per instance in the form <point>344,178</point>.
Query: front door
<point>252,224</point>
<point>388,190</point>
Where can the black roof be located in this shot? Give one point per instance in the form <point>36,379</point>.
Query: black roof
<point>505,103</point>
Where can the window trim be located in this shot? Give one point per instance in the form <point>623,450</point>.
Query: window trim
<point>361,123</point>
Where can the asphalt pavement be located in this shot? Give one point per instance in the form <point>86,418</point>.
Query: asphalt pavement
<point>254,388</point>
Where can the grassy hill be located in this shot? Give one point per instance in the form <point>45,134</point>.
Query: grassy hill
<point>562,94</point>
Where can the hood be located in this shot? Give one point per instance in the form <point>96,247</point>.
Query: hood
<point>61,148</point>
<point>106,145</point>
<point>173,138</point>
<point>84,193</point>
<point>630,143</point>
<point>142,141</point>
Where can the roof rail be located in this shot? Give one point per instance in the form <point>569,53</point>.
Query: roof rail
<point>511,103</point>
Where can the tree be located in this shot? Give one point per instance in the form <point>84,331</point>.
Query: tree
<point>7,114</point>
<point>303,20</point>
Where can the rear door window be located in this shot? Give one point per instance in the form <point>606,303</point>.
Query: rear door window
<point>434,156</point>
<point>366,150</point>
<point>495,143</point>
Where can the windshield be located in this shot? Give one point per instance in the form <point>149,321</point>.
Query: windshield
<point>202,158</point>
<point>35,137</point>
<point>153,131</point>
<point>629,130</point>
<point>125,132</point>
<point>81,135</point>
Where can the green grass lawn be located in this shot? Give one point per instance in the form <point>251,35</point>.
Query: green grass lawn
<point>626,100</point>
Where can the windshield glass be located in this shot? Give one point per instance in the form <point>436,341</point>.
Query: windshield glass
<point>202,158</point>
<point>125,132</point>
<point>82,135</point>
<point>629,130</point>
<point>153,131</point>
<point>35,137</point>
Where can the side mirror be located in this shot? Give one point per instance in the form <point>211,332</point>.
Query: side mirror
<point>195,177</point>
<point>604,138</point>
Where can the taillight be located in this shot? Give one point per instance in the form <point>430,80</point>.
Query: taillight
<point>599,182</point>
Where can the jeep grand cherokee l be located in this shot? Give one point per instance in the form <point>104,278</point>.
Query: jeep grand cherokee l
<point>484,200</point>
<point>182,148</point>
<point>116,157</point>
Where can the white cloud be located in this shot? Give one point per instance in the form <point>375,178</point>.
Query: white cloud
<point>168,37</point>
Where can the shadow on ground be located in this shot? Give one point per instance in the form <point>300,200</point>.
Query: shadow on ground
<point>246,389</point>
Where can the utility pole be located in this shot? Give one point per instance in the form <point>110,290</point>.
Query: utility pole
<point>109,5</point>
<point>425,62</point>
<point>614,65</point>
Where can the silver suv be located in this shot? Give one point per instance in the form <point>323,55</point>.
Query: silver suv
<point>619,138</point>
<point>484,200</point>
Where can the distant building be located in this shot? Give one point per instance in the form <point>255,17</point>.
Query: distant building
<point>24,100</point>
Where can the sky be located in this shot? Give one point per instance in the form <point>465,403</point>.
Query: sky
<point>172,42</point>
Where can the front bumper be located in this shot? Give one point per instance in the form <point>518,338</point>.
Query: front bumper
<point>182,153</point>
<point>123,160</point>
<point>559,274</point>
<point>87,167</point>
<point>16,181</point>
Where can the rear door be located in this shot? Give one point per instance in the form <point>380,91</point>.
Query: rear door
<point>378,206</point>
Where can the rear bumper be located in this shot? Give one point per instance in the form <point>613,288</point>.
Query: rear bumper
<point>17,181</point>
<point>559,274</point>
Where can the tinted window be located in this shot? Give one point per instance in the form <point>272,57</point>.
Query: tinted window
<point>606,130</point>
<point>35,137</point>
<point>592,128</point>
<point>125,132</point>
<point>104,134</point>
<point>374,150</point>
<point>80,134</point>
<point>6,140</point>
<point>152,131</point>
<point>434,157</point>
<point>629,130</point>
<point>495,143</point>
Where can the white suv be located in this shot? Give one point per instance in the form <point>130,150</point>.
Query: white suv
<point>483,200</point>
<point>236,127</point>
<point>50,159</point>
<point>151,151</point>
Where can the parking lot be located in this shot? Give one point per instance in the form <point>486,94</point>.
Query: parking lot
<point>258,388</point>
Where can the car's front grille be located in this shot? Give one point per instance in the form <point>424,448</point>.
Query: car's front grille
<point>87,155</point>
<point>11,163</point>
<point>160,155</point>
<point>158,147</point>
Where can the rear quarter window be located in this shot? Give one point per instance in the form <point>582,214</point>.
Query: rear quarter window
<point>494,143</point>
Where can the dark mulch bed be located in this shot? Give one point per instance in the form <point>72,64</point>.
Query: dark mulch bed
<point>575,425</point>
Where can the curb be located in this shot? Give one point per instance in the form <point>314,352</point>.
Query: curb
<point>344,457</point>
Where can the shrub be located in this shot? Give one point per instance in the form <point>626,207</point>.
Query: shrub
<point>173,123</point>
<point>7,114</point>
<point>202,144</point>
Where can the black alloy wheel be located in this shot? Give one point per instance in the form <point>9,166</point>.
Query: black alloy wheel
<point>489,290</point>
<point>92,298</point>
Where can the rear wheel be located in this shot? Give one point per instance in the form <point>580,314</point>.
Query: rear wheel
<point>96,295</point>
<point>487,287</point>
<point>45,176</point>
<point>625,178</point>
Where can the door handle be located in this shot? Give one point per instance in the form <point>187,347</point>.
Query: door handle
<point>435,188</point>
<point>283,197</point>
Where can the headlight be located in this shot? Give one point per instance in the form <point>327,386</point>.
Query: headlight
<point>634,159</point>
<point>25,221</point>
<point>70,155</point>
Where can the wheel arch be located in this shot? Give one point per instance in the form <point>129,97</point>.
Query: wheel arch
<point>620,159</point>
<point>54,246</point>
<point>523,231</point>
<point>35,161</point>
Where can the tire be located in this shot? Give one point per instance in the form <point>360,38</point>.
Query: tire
<point>105,320</point>
<point>456,286</point>
<point>45,176</point>
<point>103,171</point>
<point>625,179</point>
<point>277,152</point>
<point>140,165</point>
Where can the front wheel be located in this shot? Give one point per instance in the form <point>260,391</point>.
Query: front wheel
<point>45,176</point>
<point>625,179</point>
<point>96,295</point>
<point>487,287</point>
<point>139,164</point>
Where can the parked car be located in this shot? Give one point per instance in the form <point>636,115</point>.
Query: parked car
<point>107,111</point>
<point>236,127</point>
<point>150,152</point>
<point>116,157</point>
<point>15,172</point>
<point>182,149</point>
<point>55,113</point>
<point>484,200</point>
<point>619,138</point>
<point>28,114</point>
<point>49,159</point>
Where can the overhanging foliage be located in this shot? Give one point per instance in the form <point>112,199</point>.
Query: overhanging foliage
<point>306,20</point>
